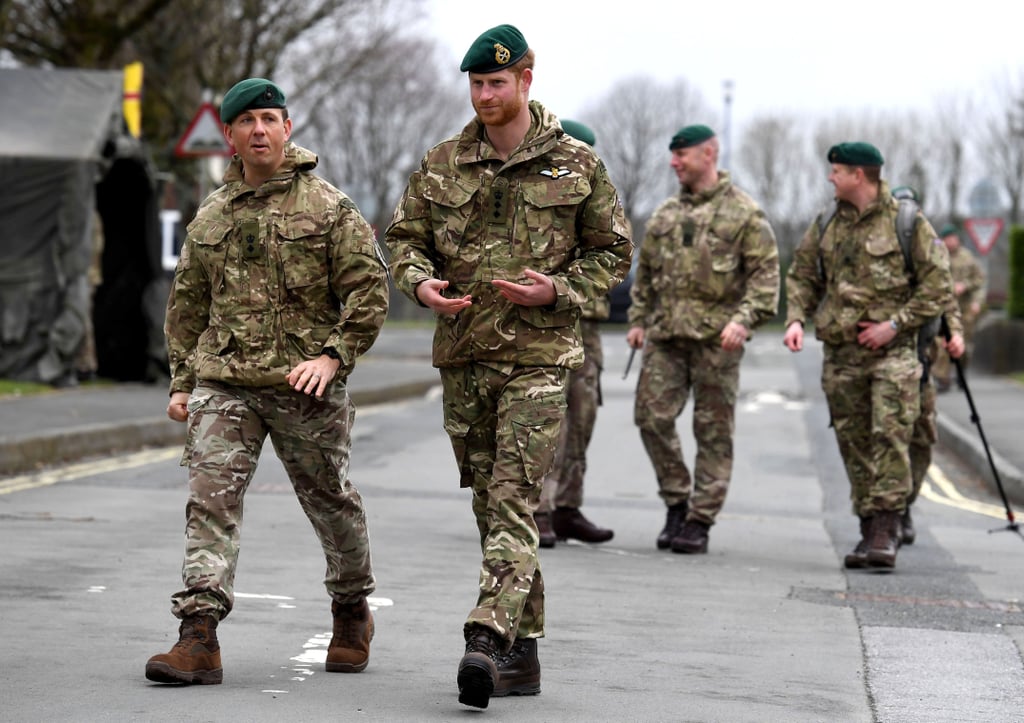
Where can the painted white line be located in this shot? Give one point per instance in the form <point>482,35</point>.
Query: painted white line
<point>87,469</point>
<point>262,596</point>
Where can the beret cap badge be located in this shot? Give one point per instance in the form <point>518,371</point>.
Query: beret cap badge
<point>501,54</point>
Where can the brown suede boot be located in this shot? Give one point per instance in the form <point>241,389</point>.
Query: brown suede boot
<point>478,669</point>
<point>674,518</point>
<point>547,532</point>
<point>349,649</point>
<point>195,658</point>
<point>858,557</point>
<point>518,670</point>
<point>885,539</point>
<point>569,522</point>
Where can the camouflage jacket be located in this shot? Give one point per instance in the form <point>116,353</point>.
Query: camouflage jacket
<point>707,259</point>
<point>268,277</point>
<point>858,273</point>
<point>967,271</point>
<point>468,217</point>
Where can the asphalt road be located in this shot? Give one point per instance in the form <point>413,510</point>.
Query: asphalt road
<point>766,627</point>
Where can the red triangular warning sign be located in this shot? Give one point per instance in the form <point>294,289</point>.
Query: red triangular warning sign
<point>984,232</point>
<point>204,136</point>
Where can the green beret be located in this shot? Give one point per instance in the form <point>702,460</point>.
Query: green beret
<point>949,230</point>
<point>855,154</point>
<point>690,136</point>
<point>578,131</point>
<point>495,50</point>
<point>250,93</point>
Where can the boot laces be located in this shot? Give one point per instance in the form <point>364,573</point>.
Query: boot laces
<point>482,642</point>
<point>351,619</point>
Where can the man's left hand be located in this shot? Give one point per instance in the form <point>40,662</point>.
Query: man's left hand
<point>875,335</point>
<point>313,375</point>
<point>733,336</point>
<point>541,292</point>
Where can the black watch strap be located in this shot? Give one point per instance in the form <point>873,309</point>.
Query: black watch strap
<point>331,352</point>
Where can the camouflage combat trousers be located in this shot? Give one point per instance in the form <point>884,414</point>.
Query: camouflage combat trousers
<point>874,398</point>
<point>564,486</point>
<point>503,423</point>
<point>670,370</point>
<point>227,426</point>
<point>924,437</point>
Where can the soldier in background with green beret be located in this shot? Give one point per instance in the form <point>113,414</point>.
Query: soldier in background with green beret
<point>506,231</point>
<point>867,307</point>
<point>969,289</point>
<point>707,276</point>
<point>279,288</point>
<point>926,430</point>
<point>558,516</point>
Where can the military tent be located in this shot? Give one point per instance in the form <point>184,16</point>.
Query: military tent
<point>67,166</point>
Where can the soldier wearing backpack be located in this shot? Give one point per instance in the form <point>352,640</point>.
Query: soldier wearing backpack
<point>929,347</point>
<point>867,304</point>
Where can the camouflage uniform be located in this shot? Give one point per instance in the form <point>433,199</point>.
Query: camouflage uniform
<point>965,270</point>
<point>563,487</point>
<point>707,259</point>
<point>926,431</point>
<point>857,272</point>
<point>468,217</point>
<point>266,279</point>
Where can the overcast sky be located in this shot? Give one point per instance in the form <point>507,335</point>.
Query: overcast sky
<point>787,55</point>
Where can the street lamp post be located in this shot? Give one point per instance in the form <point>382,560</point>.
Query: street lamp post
<point>727,90</point>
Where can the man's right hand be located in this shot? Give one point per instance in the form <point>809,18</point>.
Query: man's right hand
<point>794,338</point>
<point>177,408</point>
<point>635,337</point>
<point>429,294</point>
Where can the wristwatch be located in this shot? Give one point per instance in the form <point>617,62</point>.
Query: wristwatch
<point>894,325</point>
<point>331,352</point>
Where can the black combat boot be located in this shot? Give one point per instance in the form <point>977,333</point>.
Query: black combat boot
<point>569,522</point>
<point>858,557</point>
<point>547,533</point>
<point>692,539</point>
<point>478,669</point>
<point>674,518</point>
<point>519,670</point>
<point>885,539</point>
<point>907,532</point>
<point>195,658</point>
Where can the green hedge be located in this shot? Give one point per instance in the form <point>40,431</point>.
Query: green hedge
<point>1015,285</point>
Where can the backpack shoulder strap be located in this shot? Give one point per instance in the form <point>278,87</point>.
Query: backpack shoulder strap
<point>906,222</point>
<point>823,220</point>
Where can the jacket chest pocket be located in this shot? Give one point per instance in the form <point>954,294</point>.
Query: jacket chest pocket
<point>305,269</point>
<point>885,263</point>
<point>212,241</point>
<point>551,210</point>
<point>451,205</point>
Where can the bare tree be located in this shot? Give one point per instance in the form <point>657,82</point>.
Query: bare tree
<point>1002,147</point>
<point>633,123</point>
<point>373,125</point>
<point>189,46</point>
<point>951,157</point>
<point>776,167</point>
